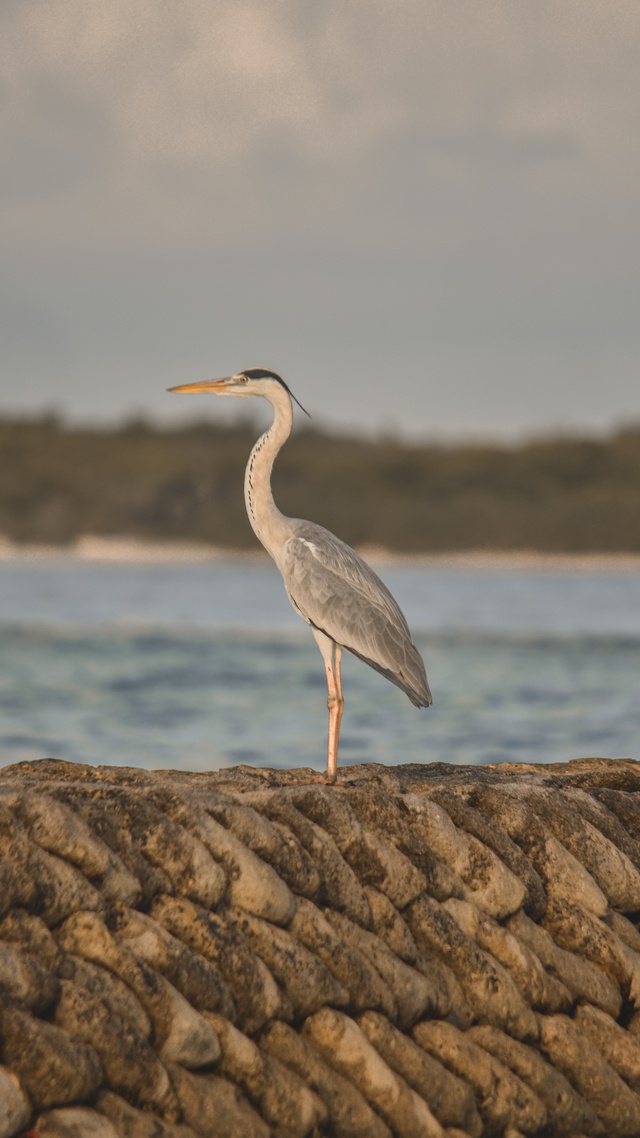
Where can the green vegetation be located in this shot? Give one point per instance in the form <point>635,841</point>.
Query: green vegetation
<point>564,495</point>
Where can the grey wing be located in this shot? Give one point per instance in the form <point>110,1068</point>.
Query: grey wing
<point>335,591</point>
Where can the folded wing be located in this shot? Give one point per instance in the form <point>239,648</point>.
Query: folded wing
<point>335,591</point>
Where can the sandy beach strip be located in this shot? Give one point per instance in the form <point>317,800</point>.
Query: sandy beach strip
<point>131,550</point>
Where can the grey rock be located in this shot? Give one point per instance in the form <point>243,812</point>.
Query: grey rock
<point>350,1115</point>
<point>74,1122</point>
<point>15,1108</point>
<point>345,1047</point>
<point>53,1067</point>
<point>503,1099</point>
<point>419,950</point>
<point>130,1122</point>
<point>390,926</point>
<point>467,818</point>
<point>30,932</point>
<point>88,1012</point>
<point>571,1051</point>
<point>194,976</point>
<point>363,985</point>
<point>256,994</point>
<point>541,991</point>
<point>412,993</point>
<point>451,1100</point>
<point>26,980</point>
<point>304,979</point>
<point>581,978</point>
<point>274,842</point>
<point>488,988</point>
<point>620,1048</point>
<point>568,1112</point>
<point>282,1098</point>
<point>215,1107</point>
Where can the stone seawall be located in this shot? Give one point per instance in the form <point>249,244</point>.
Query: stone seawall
<point>417,951</point>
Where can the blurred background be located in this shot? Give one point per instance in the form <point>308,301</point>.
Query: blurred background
<point>424,216</point>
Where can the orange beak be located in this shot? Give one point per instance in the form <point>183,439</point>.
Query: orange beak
<point>203,385</point>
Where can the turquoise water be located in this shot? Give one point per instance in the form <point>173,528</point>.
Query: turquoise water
<point>200,666</point>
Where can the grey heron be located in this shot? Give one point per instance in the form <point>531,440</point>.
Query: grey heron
<point>329,585</point>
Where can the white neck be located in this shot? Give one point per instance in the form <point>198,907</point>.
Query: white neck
<point>270,526</point>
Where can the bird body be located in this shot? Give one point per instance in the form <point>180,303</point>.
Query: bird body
<point>335,591</point>
<point>329,585</point>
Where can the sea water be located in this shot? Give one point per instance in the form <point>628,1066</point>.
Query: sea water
<point>205,665</point>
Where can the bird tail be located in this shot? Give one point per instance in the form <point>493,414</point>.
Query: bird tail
<point>416,684</point>
<point>411,678</point>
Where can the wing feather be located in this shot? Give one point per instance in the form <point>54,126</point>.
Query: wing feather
<point>335,591</point>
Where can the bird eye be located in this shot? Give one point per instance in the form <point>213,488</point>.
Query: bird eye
<point>244,379</point>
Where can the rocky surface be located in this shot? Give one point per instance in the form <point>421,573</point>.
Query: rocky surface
<point>416,951</point>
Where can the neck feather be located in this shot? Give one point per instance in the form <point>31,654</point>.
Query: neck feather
<point>270,526</point>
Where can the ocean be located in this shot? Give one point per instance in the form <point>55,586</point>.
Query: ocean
<point>204,665</point>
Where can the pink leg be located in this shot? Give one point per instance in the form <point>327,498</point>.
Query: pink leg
<point>332,655</point>
<point>335,703</point>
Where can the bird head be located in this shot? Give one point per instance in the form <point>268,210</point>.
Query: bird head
<point>251,381</point>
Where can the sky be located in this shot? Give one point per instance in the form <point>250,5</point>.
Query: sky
<point>423,213</point>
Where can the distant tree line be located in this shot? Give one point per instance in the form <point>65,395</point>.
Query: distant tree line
<point>59,482</point>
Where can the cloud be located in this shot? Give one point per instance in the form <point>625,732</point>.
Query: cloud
<point>437,186</point>
<point>116,113</point>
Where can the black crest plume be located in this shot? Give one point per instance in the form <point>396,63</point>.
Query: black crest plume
<point>264,373</point>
